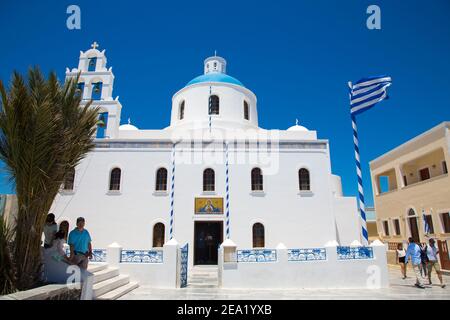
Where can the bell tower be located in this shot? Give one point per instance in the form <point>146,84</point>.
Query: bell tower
<point>96,83</point>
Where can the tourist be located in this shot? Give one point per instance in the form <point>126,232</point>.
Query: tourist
<point>80,245</point>
<point>50,229</point>
<point>58,247</point>
<point>413,251</point>
<point>433,262</point>
<point>401,253</point>
<point>424,260</point>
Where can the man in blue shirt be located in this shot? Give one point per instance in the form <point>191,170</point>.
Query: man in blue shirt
<point>414,251</point>
<point>80,245</point>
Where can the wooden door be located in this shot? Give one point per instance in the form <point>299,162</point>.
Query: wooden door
<point>443,254</point>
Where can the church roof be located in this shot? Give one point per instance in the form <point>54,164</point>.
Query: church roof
<point>215,77</point>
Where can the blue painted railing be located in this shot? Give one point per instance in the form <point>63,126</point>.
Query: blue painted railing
<point>141,256</point>
<point>257,255</point>
<point>311,254</point>
<point>354,253</point>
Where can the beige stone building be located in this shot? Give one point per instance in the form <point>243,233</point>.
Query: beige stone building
<point>411,185</point>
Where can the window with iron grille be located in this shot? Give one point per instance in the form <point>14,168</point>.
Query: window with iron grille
<point>397,227</point>
<point>161,180</point>
<point>258,235</point>
<point>257,180</point>
<point>69,180</point>
<point>114,181</point>
<point>208,180</point>
<point>303,179</point>
<point>213,105</point>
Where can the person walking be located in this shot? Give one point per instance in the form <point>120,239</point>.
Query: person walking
<point>433,262</point>
<point>424,260</point>
<point>401,253</point>
<point>80,245</point>
<point>413,252</point>
<point>50,229</point>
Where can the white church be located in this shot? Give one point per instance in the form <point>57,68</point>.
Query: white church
<point>212,174</point>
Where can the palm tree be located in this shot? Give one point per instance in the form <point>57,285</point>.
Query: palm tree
<point>44,132</point>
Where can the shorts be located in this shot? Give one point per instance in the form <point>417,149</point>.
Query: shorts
<point>434,264</point>
<point>401,260</point>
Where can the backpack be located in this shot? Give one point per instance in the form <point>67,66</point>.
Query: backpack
<point>423,254</point>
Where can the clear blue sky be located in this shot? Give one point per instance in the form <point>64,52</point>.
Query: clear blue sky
<point>296,56</point>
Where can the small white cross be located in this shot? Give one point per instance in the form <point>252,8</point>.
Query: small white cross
<point>215,53</point>
<point>94,45</point>
<point>129,121</point>
<point>296,122</point>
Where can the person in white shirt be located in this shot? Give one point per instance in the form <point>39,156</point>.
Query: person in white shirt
<point>50,229</point>
<point>433,261</point>
<point>401,253</point>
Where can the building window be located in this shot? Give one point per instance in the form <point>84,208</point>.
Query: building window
<point>208,180</point>
<point>303,180</point>
<point>424,174</point>
<point>92,63</point>
<point>405,181</point>
<point>397,227</point>
<point>258,235</point>
<point>386,228</point>
<point>69,180</point>
<point>161,180</point>
<point>114,181</point>
<point>444,167</point>
<point>213,105</point>
<point>97,91</point>
<point>257,179</point>
<point>158,235</point>
<point>246,112</point>
<point>429,220</point>
<point>446,222</point>
<point>181,112</point>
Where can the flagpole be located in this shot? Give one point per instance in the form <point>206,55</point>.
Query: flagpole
<point>172,192</point>
<point>362,207</point>
<point>227,189</point>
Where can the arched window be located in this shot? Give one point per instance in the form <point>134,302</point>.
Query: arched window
<point>257,179</point>
<point>69,180</point>
<point>303,180</point>
<point>213,105</point>
<point>208,180</point>
<point>258,235</point>
<point>92,64</point>
<point>114,181</point>
<point>246,113</point>
<point>158,235</point>
<point>413,226</point>
<point>97,91</point>
<point>181,111</point>
<point>161,180</point>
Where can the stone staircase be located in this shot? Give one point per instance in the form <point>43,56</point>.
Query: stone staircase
<point>109,284</point>
<point>203,276</point>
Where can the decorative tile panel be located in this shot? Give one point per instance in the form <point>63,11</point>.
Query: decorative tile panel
<point>257,255</point>
<point>353,253</point>
<point>141,256</point>
<point>311,254</point>
<point>98,255</point>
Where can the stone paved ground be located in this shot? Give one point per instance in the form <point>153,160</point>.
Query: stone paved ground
<point>399,289</point>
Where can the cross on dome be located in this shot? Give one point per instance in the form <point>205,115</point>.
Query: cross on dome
<point>296,122</point>
<point>94,45</point>
<point>129,121</point>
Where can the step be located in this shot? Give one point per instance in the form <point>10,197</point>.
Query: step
<point>202,285</point>
<point>105,274</point>
<point>97,266</point>
<point>103,287</point>
<point>118,292</point>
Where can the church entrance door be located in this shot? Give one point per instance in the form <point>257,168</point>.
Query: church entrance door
<point>208,235</point>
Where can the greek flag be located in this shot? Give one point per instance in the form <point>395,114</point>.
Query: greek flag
<point>367,92</point>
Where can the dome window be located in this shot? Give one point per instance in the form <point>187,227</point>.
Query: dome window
<point>181,111</point>
<point>246,111</point>
<point>213,105</point>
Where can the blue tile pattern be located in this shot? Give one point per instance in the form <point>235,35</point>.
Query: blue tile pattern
<point>257,255</point>
<point>311,254</point>
<point>98,255</point>
<point>142,256</point>
<point>354,253</point>
<point>184,266</point>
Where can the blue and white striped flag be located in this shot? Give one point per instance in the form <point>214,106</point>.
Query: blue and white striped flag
<point>367,92</point>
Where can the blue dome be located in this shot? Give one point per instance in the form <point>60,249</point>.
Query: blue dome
<point>215,77</point>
